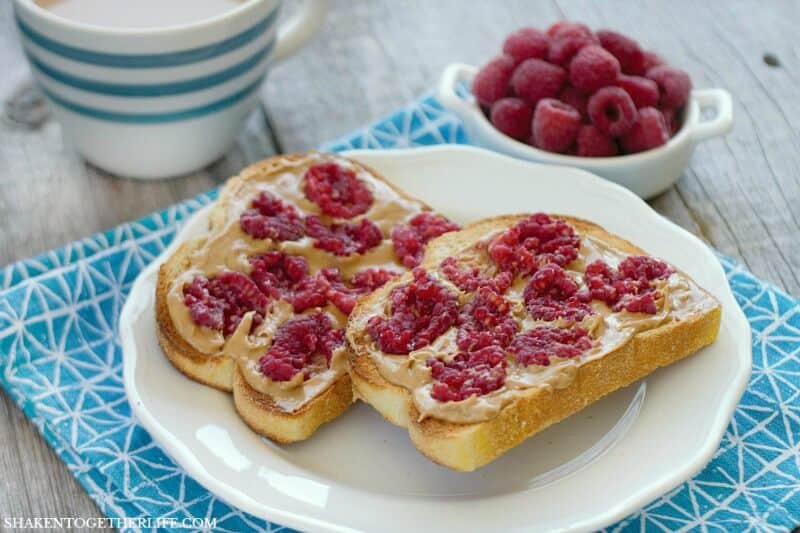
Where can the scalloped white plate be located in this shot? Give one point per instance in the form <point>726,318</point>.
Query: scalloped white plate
<point>361,473</point>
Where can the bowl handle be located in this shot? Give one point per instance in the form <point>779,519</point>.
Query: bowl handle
<point>296,31</point>
<point>446,92</point>
<point>722,122</point>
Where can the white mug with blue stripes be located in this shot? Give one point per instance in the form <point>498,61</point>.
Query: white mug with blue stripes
<point>164,101</point>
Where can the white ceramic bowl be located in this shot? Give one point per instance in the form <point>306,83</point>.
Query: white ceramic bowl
<point>646,174</point>
<point>360,473</point>
<point>153,103</point>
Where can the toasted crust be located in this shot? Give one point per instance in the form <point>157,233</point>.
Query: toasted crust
<point>258,410</point>
<point>468,446</point>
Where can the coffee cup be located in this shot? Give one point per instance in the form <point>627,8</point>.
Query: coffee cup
<point>160,101</point>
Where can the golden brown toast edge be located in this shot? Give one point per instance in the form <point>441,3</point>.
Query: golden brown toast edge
<point>466,447</point>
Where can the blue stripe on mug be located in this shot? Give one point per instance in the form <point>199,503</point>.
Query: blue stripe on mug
<point>155,89</point>
<point>169,59</point>
<point>152,118</point>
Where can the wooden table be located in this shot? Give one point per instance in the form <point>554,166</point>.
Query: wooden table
<point>741,193</point>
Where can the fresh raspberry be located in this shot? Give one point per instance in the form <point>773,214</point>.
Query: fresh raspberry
<point>421,310</point>
<point>512,116</point>
<point>594,143</point>
<point>336,190</point>
<point>409,239</point>
<point>612,111</point>
<point>628,287</point>
<point>220,302</point>
<point>649,131</point>
<point>538,345</point>
<point>566,28</point>
<point>271,218</point>
<point>626,50</point>
<point>468,374</point>
<point>555,125</point>
<point>593,68</point>
<point>551,295</point>
<point>671,120</point>
<point>277,274</point>
<point>651,59</point>
<point>643,91</point>
<point>674,84</point>
<point>300,343</point>
<point>536,240</point>
<point>564,47</point>
<point>575,98</point>
<point>469,280</point>
<point>344,239</point>
<point>492,81</point>
<point>526,43</point>
<point>345,296</point>
<point>535,79</point>
<point>486,320</point>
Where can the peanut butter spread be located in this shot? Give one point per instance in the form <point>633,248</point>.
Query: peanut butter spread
<point>679,298</point>
<point>227,247</point>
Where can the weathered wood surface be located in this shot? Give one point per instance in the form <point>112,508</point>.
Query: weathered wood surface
<point>741,194</point>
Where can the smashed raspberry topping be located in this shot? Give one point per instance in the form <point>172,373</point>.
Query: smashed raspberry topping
<point>409,240</point>
<point>551,294</point>
<point>344,295</point>
<point>344,239</point>
<point>271,218</point>
<point>486,320</point>
<point>468,374</point>
<point>421,310</point>
<point>629,286</point>
<point>337,191</point>
<point>220,302</point>
<point>277,274</point>
<point>471,279</point>
<point>299,343</point>
<point>538,345</point>
<point>537,239</point>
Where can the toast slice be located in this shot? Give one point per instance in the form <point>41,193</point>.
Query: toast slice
<point>292,243</point>
<point>541,387</point>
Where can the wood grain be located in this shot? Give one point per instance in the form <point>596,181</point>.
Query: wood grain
<point>741,193</point>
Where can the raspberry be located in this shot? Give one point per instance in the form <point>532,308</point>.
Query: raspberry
<point>271,218</point>
<point>535,79</point>
<point>220,302</point>
<point>471,279</point>
<point>671,120</point>
<point>344,239</point>
<point>628,287</point>
<point>310,292</point>
<point>512,116</point>
<point>651,59</point>
<point>555,125</point>
<point>626,50</point>
<point>421,310</point>
<point>298,344</point>
<point>492,81</point>
<point>526,43</point>
<point>594,143</point>
<point>612,111</point>
<point>468,374</point>
<point>276,273</point>
<point>536,239</point>
<point>564,47</point>
<point>409,240</point>
<point>565,28</point>
<point>649,131</point>
<point>336,190</point>
<point>486,320</point>
<point>575,98</point>
<point>593,68</point>
<point>643,91</point>
<point>538,345</point>
<point>674,85</point>
<point>550,295</point>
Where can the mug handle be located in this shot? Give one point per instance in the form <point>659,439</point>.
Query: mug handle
<point>296,31</point>
<point>446,92</point>
<point>720,101</point>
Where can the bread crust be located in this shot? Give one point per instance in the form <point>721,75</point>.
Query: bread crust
<point>466,447</point>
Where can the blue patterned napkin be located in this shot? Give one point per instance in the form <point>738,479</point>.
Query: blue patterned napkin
<point>61,362</point>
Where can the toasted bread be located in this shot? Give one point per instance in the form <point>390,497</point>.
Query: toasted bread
<point>467,446</point>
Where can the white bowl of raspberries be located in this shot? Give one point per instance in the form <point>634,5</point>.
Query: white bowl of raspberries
<point>592,100</point>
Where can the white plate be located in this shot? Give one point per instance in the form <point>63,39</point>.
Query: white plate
<point>361,473</point>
